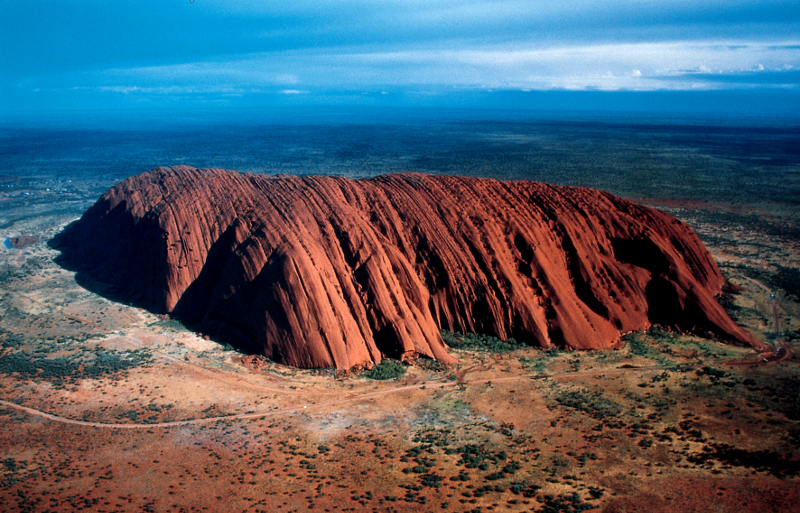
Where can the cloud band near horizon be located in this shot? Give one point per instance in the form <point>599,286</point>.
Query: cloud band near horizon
<point>160,49</point>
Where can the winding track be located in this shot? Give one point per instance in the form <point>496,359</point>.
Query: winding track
<point>352,398</point>
<point>780,354</point>
<point>771,355</point>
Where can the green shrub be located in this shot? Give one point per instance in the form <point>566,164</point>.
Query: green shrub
<point>638,346</point>
<point>478,342</point>
<point>593,403</point>
<point>387,369</point>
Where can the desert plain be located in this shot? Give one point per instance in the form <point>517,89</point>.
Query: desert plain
<point>107,407</point>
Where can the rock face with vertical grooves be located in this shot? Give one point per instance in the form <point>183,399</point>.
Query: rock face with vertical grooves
<point>331,272</point>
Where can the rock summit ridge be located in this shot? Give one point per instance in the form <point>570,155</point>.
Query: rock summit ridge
<point>330,272</point>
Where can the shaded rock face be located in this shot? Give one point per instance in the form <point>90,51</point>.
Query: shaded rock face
<point>330,272</point>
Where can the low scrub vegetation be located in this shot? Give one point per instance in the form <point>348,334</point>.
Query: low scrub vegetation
<point>478,342</point>
<point>387,369</point>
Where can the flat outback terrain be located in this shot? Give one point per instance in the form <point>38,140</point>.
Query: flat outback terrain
<point>110,408</point>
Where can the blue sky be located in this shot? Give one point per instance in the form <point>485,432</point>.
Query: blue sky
<point>142,54</point>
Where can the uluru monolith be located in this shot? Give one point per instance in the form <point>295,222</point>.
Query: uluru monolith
<point>331,272</point>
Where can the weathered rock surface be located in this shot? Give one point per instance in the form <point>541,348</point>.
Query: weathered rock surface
<point>330,272</point>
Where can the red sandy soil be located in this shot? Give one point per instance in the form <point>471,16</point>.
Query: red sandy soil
<point>307,441</point>
<point>359,452</point>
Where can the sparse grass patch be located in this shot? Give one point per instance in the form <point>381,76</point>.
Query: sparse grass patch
<point>538,365</point>
<point>78,366</point>
<point>636,344</point>
<point>566,503</point>
<point>432,365</point>
<point>593,403</point>
<point>784,278</point>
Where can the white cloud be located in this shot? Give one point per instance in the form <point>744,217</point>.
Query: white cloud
<point>162,90</point>
<point>655,66</point>
<point>287,78</point>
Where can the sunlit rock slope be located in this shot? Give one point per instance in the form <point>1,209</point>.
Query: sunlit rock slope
<point>331,272</point>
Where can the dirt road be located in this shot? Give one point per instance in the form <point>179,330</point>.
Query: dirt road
<point>772,355</point>
<point>350,398</point>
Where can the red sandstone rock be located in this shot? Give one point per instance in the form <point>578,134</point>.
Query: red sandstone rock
<point>330,272</point>
<point>22,241</point>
